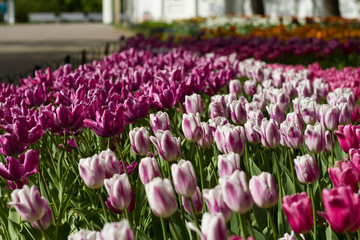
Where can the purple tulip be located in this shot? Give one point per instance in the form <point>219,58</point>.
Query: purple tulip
<point>344,174</point>
<point>110,163</point>
<point>251,135</point>
<point>215,202</point>
<point>256,116</point>
<point>291,135</point>
<point>304,89</point>
<point>136,109</point>
<point>213,227</point>
<point>290,89</point>
<point>10,146</point>
<point>218,121</point>
<point>238,112</point>
<point>92,172</point>
<point>250,87</point>
<point>119,189</point>
<point>229,139</point>
<point>140,141</point>
<point>264,190</point>
<point>235,87</point>
<point>184,178</point>
<point>296,118</point>
<point>308,110</point>
<point>228,163</point>
<point>148,170</point>
<point>236,192</point>
<point>161,197</point>
<point>315,138</point>
<point>117,231</point>
<point>191,126</point>
<point>69,117</point>
<point>107,124</point>
<point>193,104</point>
<point>217,110</point>
<point>169,147</point>
<point>270,134</point>
<point>24,130</point>
<point>196,200</point>
<point>207,138</point>
<point>160,121</point>
<point>45,220</point>
<point>329,116</point>
<point>298,211</point>
<point>28,203</point>
<point>276,112</point>
<point>307,170</point>
<point>260,100</point>
<point>345,114</point>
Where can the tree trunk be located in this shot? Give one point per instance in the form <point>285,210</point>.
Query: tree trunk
<point>257,7</point>
<point>331,8</point>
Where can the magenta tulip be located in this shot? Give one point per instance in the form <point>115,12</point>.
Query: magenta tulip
<point>344,174</point>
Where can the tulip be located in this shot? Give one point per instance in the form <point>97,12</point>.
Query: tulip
<point>85,235</point>
<point>140,141</point>
<point>160,121</point>
<point>342,208</point>
<point>213,227</point>
<point>291,135</point>
<point>270,134</point>
<point>161,197</point>
<point>136,109</point>
<point>92,172</point>
<point>238,112</point>
<point>235,87</point>
<point>291,237</point>
<point>191,126</point>
<point>228,163</point>
<point>256,116</point>
<point>315,138</point>
<point>70,117</point>
<point>251,134</point>
<point>217,110</point>
<point>169,147</point>
<point>355,157</point>
<point>264,190</point>
<point>281,98</point>
<point>345,114</point>
<point>329,116</point>
<point>184,178</point>
<point>260,100</point>
<point>347,136</point>
<point>193,104</point>
<point>308,110</point>
<point>215,202</point>
<point>196,200</point>
<point>307,170</point>
<point>344,174</point>
<point>207,138</point>
<point>24,130</point>
<point>236,192</point>
<point>28,203</point>
<point>304,89</point>
<point>328,137</point>
<point>110,163</point>
<point>10,146</point>
<point>229,139</point>
<point>250,87</point>
<point>296,119</point>
<point>117,231</point>
<point>119,189</point>
<point>45,220</point>
<point>290,89</point>
<point>298,211</point>
<point>148,170</point>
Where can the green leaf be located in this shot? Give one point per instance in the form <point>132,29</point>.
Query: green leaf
<point>141,235</point>
<point>260,216</point>
<point>156,227</point>
<point>259,235</point>
<point>234,223</point>
<point>178,227</point>
<point>330,235</point>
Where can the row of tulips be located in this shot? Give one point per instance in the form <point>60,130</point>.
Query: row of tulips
<point>56,127</point>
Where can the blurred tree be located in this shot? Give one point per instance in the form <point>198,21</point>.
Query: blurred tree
<point>331,7</point>
<point>257,7</point>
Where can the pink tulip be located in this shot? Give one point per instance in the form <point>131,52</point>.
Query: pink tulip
<point>191,126</point>
<point>348,136</point>
<point>140,141</point>
<point>270,134</point>
<point>119,189</point>
<point>196,200</point>
<point>148,170</point>
<point>168,146</point>
<point>264,190</point>
<point>193,104</point>
<point>184,178</point>
<point>307,170</point>
<point>228,163</point>
<point>215,202</point>
<point>344,174</point>
<point>160,121</point>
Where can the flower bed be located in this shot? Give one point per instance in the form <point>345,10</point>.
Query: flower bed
<point>182,141</point>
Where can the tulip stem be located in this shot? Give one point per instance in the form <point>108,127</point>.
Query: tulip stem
<point>76,143</point>
<point>247,158</point>
<point>242,226</point>
<point>292,169</point>
<point>42,230</point>
<point>332,148</point>
<point>321,176</point>
<point>272,224</point>
<point>250,226</point>
<point>121,157</point>
<point>313,210</point>
<point>103,206</point>
<point>347,236</point>
<point>193,212</point>
<point>200,167</point>
<point>280,187</point>
<point>176,233</point>
<point>163,228</point>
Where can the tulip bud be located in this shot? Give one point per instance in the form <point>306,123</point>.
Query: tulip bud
<point>291,135</point>
<point>148,170</point>
<point>213,227</point>
<point>342,209</point>
<point>92,172</point>
<point>215,202</point>
<point>238,112</point>
<point>345,114</point>
<point>229,138</point>
<point>308,110</point>
<point>184,178</point>
<point>196,200</point>
<point>264,190</point>
<point>110,163</point>
<point>315,137</point>
<point>260,100</point>
<point>296,119</point>
<point>85,235</point>
<point>328,137</point>
<point>140,141</point>
<point>228,163</point>
<point>46,219</point>
<point>270,134</point>
<point>307,170</point>
<point>251,134</point>
<point>193,104</point>
<point>161,197</point>
<point>207,138</point>
<point>28,203</point>
<point>250,87</point>
<point>119,189</point>
<point>344,174</point>
<point>329,116</point>
<point>160,121</point>
<point>191,126</point>
<point>169,147</point>
<point>236,192</point>
<point>117,231</point>
<point>235,87</point>
<point>298,211</point>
